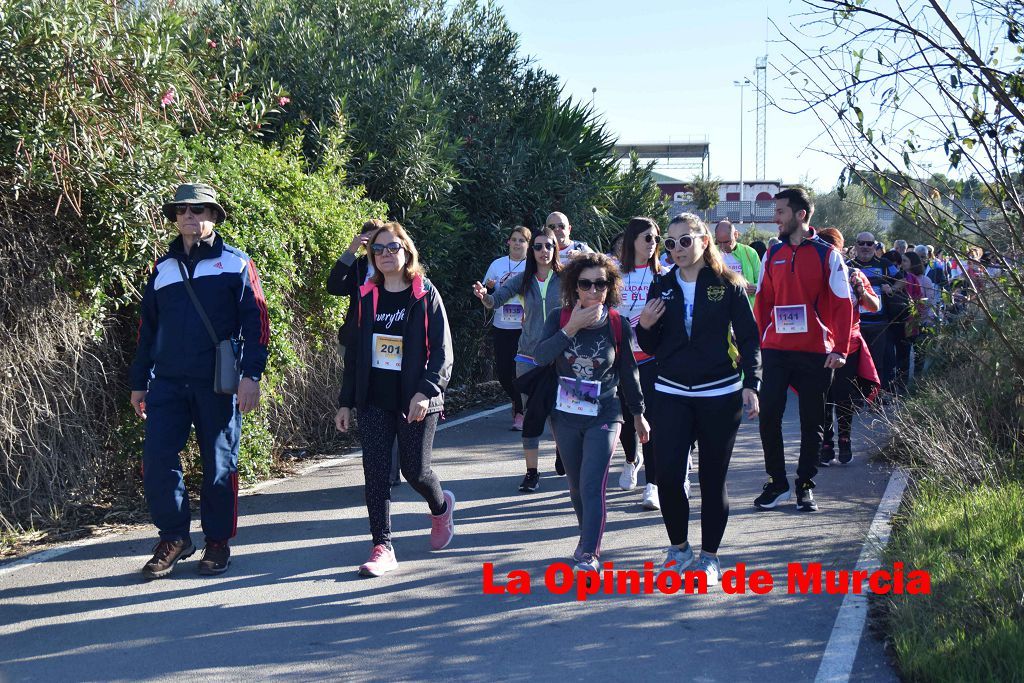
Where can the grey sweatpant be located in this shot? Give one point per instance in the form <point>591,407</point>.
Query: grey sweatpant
<point>586,447</point>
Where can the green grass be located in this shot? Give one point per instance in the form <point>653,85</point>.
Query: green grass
<point>971,626</point>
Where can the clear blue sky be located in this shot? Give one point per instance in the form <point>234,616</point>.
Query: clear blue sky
<point>665,70</point>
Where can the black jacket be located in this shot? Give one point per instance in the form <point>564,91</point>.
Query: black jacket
<point>346,277</point>
<point>721,312</point>
<point>427,348</point>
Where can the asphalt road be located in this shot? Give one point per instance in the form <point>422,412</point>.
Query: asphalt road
<point>292,607</point>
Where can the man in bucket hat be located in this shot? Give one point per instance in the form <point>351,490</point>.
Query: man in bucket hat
<point>172,378</point>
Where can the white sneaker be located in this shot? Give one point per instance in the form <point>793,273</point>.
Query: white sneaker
<point>678,560</point>
<point>627,480</point>
<point>711,566</point>
<point>651,501</point>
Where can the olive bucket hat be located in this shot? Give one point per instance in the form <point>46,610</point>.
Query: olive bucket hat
<point>194,193</point>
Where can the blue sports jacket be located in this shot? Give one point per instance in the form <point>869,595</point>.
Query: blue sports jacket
<point>173,342</point>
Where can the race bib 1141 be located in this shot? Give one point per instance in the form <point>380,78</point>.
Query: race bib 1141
<point>791,319</point>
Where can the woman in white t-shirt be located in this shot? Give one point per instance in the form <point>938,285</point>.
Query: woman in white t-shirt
<point>640,267</point>
<point>508,318</point>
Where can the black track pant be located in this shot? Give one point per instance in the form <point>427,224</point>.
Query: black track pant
<point>506,346</point>
<point>713,422</point>
<point>806,373</point>
<point>843,396</point>
<point>377,431</point>
<point>628,437</point>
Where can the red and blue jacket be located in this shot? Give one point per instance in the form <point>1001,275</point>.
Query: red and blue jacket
<point>803,298</point>
<point>173,343</point>
<point>427,355</point>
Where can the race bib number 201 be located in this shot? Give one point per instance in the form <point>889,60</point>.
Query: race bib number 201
<point>387,352</point>
<point>791,319</point>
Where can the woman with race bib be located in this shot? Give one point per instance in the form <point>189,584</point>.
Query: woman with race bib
<point>590,345</point>
<point>508,318</point>
<point>703,382</point>
<point>538,287</point>
<point>640,268</point>
<point>397,367</point>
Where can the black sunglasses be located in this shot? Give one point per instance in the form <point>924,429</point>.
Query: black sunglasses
<point>543,246</point>
<point>196,209</point>
<point>560,226</point>
<point>392,247</point>
<point>652,238</point>
<point>684,241</point>
<point>865,244</point>
<point>586,285</point>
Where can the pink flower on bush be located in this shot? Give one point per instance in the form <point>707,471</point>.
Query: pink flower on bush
<point>281,101</point>
<point>167,98</point>
<point>210,43</point>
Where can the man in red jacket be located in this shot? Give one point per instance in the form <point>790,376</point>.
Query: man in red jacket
<point>804,312</point>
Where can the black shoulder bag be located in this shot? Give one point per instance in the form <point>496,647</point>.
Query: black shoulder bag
<point>227,371</point>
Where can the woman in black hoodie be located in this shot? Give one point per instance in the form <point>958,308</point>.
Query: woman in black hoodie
<point>698,324</point>
<point>397,366</point>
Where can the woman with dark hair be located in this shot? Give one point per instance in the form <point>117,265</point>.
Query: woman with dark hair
<point>507,322</point>
<point>640,268</point>
<point>704,380</point>
<point>858,377</point>
<point>615,253</point>
<point>397,366</point>
<point>919,318</point>
<point>538,286</point>
<point>760,247</point>
<point>590,344</point>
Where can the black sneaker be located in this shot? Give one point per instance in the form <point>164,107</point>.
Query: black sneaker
<point>531,482</point>
<point>166,554</point>
<point>559,467</point>
<point>845,451</point>
<point>216,558</point>
<point>773,494</point>
<point>826,456</point>
<point>805,499</point>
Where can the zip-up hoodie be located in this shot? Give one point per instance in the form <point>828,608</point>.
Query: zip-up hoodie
<point>535,307</point>
<point>173,341</point>
<point>426,348</point>
<point>813,281</point>
<point>708,362</point>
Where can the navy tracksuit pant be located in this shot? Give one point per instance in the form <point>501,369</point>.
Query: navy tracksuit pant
<point>173,407</point>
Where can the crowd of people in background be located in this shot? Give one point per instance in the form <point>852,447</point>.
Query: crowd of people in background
<point>662,346</point>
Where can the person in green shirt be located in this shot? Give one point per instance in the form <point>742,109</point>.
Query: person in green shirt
<point>739,258</point>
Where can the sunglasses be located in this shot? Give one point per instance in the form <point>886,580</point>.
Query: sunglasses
<point>586,285</point>
<point>865,244</point>
<point>392,247</point>
<point>196,209</point>
<point>560,226</point>
<point>543,246</point>
<point>683,242</point>
<point>652,238</point>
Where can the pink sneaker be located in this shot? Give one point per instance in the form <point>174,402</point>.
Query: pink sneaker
<point>517,422</point>
<point>442,527</point>
<point>382,560</point>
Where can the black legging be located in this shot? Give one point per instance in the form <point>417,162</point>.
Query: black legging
<point>713,421</point>
<point>506,345</point>
<point>842,400</point>
<point>377,431</point>
<point>628,437</point>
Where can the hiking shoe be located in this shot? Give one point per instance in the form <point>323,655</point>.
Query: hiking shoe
<point>588,562</point>
<point>650,501</point>
<point>772,494</point>
<point>382,560</point>
<point>517,422</point>
<point>627,480</point>
<point>442,526</point>
<point>826,456</point>
<point>530,483</point>
<point>845,452</point>
<point>805,499</point>
<point>166,554</point>
<point>712,568</point>
<point>559,467</point>
<point>216,558</point>
<point>678,560</point>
